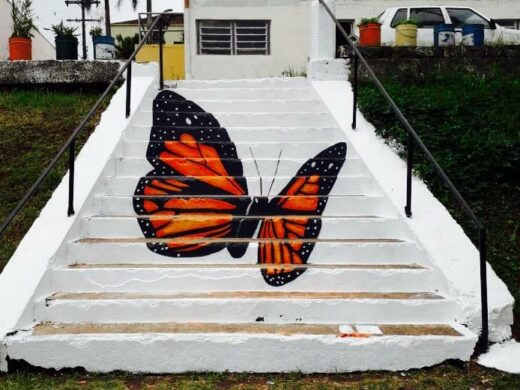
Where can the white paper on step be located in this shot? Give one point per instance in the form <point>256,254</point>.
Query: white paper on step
<point>346,329</point>
<point>369,329</point>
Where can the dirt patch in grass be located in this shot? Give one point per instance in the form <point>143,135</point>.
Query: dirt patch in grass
<point>34,124</point>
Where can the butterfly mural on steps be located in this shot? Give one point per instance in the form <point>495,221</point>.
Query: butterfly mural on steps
<point>195,201</point>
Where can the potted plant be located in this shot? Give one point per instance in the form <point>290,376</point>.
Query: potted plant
<point>104,46</point>
<point>20,43</point>
<point>406,33</point>
<point>369,32</point>
<point>66,41</point>
<point>96,31</point>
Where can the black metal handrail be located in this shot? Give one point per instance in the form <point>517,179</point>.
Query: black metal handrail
<point>70,144</point>
<point>413,138</point>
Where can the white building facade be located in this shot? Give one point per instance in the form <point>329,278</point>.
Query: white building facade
<point>42,49</point>
<point>261,38</point>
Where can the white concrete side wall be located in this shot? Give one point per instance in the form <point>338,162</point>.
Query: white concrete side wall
<point>42,49</point>
<point>439,234</point>
<point>24,274</point>
<point>290,40</point>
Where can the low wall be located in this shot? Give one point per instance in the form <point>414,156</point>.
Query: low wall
<point>31,73</point>
<point>415,63</point>
<point>173,66</point>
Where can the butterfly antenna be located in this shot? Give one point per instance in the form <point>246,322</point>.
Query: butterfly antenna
<point>257,170</point>
<point>275,172</point>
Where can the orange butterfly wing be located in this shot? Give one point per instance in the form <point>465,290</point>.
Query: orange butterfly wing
<point>287,241</point>
<point>197,187</point>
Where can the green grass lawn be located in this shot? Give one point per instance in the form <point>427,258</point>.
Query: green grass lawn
<point>470,123</point>
<point>441,377</point>
<point>34,124</point>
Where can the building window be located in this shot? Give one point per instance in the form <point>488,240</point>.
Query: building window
<point>234,37</point>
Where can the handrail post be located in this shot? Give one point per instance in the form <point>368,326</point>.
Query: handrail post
<point>70,210</point>
<point>409,171</point>
<point>354,111</point>
<point>128,88</point>
<point>484,336</point>
<point>161,54</point>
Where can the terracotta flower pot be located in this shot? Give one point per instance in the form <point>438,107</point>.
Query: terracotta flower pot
<point>20,48</point>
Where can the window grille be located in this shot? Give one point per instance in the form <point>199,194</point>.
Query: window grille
<point>234,37</point>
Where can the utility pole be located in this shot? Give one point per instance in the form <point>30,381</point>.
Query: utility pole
<point>108,28</point>
<point>149,10</point>
<point>84,5</point>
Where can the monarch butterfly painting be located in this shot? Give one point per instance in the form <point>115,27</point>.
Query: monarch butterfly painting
<point>195,201</point>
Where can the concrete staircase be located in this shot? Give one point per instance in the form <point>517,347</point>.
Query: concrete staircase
<point>368,298</point>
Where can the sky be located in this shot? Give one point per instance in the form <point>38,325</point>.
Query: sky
<point>49,12</point>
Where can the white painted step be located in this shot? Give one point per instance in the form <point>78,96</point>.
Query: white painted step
<point>177,348</point>
<point>261,149</point>
<point>135,166</point>
<point>263,119</point>
<point>257,106</point>
<point>167,280</point>
<point>273,82</point>
<point>269,134</point>
<point>118,251</point>
<point>298,93</point>
<point>344,186</point>
<point>338,308</point>
<point>331,227</point>
<point>336,206</point>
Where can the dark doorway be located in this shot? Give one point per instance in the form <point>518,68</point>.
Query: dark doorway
<point>341,42</point>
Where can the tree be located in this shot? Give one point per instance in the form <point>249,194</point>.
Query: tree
<point>125,46</point>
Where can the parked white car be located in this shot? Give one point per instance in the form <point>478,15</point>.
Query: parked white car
<point>428,16</point>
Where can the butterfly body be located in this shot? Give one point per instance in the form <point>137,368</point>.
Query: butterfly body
<point>195,202</point>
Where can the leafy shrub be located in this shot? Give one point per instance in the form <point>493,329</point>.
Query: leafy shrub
<point>125,46</point>
<point>96,32</point>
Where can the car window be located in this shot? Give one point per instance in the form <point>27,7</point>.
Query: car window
<point>507,23</point>
<point>427,17</point>
<point>399,16</point>
<point>461,16</point>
